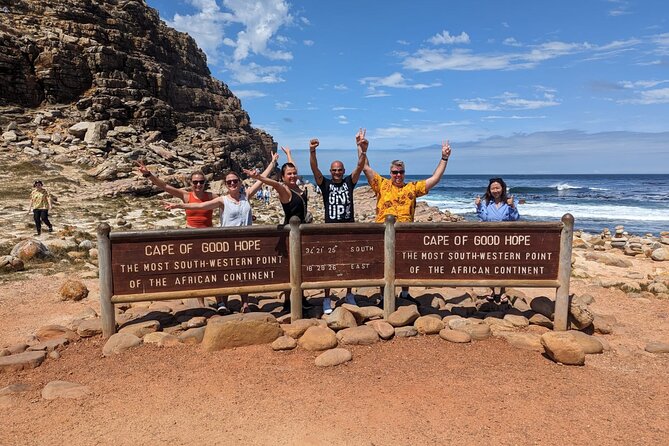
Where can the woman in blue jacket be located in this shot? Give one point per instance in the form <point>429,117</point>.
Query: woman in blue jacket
<point>497,206</point>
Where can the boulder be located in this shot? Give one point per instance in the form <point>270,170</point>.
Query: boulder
<point>383,328</point>
<point>11,263</point>
<point>543,305</point>
<point>428,325</point>
<point>405,332</point>
<point>517,320</point>
<point>30,249</point>
<point>318,338</point>
<point>580,315</point>
<point>56,331</point>
<point>192,335</point>
<point>589,344</point>
<point>362,335</point>
<point>340,319</point>
<point>239,330</point>
<point>524,341</point>
<point>363,314</point>
<point>333,357</point>
<point>562,347</point>
<point>657,347</point>
<point>541,320</point>
<point>73,289</point>
<point>660,255</point>
<point>297,328</point>
<point>22,361</point>
<point>140,329</point>
<point>478,332</point>
<point>64,389</point>
<point>120,342</point>
<point>456,336</point>
<point>403,316</point>
<point>284,343</point>
<point>161,339</point>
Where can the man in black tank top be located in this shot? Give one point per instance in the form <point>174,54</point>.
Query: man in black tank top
<point>337,193</point>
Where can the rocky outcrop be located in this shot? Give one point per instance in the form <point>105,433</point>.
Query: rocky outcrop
<point>103,83</point>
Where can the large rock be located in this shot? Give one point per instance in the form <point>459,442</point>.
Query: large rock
<point>64,389</point>
<point>340,319</point>
<point>297,328</point>
<point>89,327</point>
<point>580,315</point>
<point>30,249</point>
<point>284,343</point>
<point>161,339</point>
<point>456,336</point>
<point>362,335</point>
<point>543,305</point>
<point>21,361</point>
<point>403,316</point>
<point>589,344</point>
<point>657,347</point>
<point>192,335</point>
<point>56,331</point>
<point>525,341</point>
<point>363,314</point>
<point>141,329</point>
<point>317,339</point>
<point>428,325</point>
<point>119,343</point>
<point>383,328</point>
<point>239,330</point>
<point>563,348</point>
<point>73,289</point>
<point>333,357</point>
<point>11,263</point>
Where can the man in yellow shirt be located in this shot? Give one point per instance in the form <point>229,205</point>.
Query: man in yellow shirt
<point>40,205</point>
<point>396,197</point>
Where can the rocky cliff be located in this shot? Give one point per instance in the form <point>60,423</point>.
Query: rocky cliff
<point>101,83</point>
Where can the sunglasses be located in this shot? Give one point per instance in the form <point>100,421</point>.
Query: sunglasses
<point>231,182</point>
<point>397,172</point>
<point>336,170</point>
<point>198,181</point>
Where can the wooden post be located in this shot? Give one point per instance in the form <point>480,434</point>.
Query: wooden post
<point>295,258</point>
<point>389,267</point>
<point>564,274</point>
<point>105,275</point>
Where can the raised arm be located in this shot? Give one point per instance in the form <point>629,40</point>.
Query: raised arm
<point>441,167</point>
<point>289,156</point>
<point>313,162</point>
<point>363,145</point>
<point>211,204</point>
<point>280,188</point>
<point>362,156</point>
<point>255,186</point>
<point>160,184</point>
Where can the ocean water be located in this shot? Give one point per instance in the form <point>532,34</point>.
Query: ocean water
<point>638,202</point>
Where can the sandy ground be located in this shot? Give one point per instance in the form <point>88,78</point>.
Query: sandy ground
<point>419,390</point>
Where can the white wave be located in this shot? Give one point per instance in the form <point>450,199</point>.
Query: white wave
<point>553,210</point>
<point>564,186</point>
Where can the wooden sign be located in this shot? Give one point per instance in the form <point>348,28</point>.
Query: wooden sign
<point>342,256</point>
<point>483,253</point>
<point>197,263</point>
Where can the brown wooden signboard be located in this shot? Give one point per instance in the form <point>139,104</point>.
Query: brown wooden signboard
<point>199,263</point>
<point>484,253</point>
<point>342,256</point>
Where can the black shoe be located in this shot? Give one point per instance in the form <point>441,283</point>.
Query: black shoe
<point>410,299</point>
<point>305,304</point>
<point>51,229</point>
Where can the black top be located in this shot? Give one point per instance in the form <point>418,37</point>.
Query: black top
<point>296,206</point>
<point>338,200</point>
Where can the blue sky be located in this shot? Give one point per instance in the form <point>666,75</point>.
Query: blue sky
<point>516,86</point>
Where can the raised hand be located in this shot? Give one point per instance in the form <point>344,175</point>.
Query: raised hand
<point>286,150</point>
<point>143,169</point>
<point>360,135</point>
<point>253,173</point>
<point>169,206</point>
<point>509,200</point>
<point>313,144</point>
<point>477,200</point>
<point>445,150</point>
<point>275,157</point>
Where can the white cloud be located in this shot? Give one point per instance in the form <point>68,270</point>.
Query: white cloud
<point>511,101</point>
<point>416,110</point>
<point>493,117</point>
<point>403,42</point>
<point>445,38</point>
<point>308,42</point>
<point>340,87</point>
<point>341,119</point>
<point>395,80</point>
<point>510,41</point>
<point>282,105</point>
<point>260,21</point>
<point>249,94</point>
